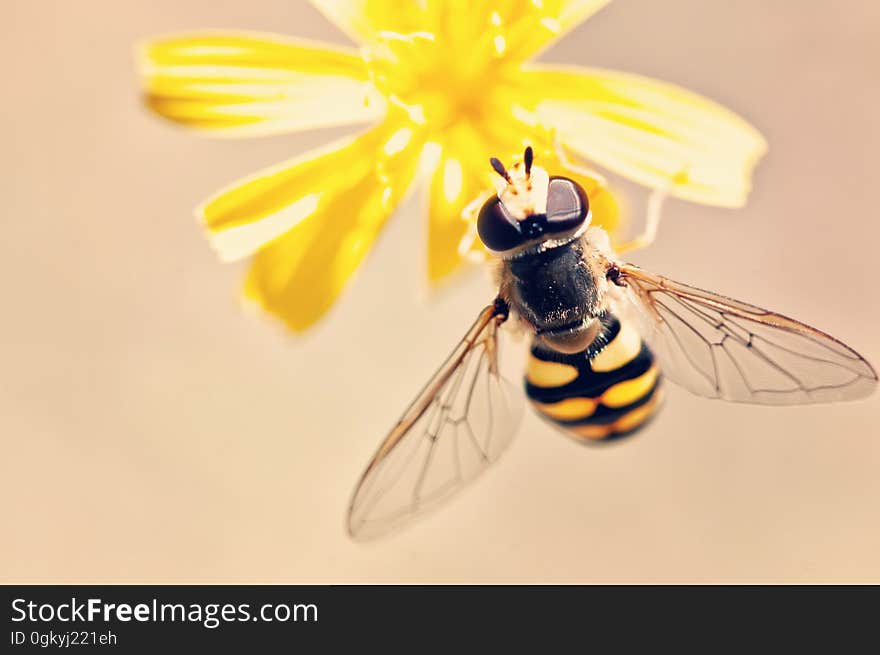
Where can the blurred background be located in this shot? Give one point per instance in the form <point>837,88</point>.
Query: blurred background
<point>152,431</point>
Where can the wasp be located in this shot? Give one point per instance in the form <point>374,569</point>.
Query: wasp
<point>605,336</point>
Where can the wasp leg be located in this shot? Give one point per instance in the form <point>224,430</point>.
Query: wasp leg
<point>577,168</point>
<point>653,215</point>
<point>470,211</point>
<point>469,216</point>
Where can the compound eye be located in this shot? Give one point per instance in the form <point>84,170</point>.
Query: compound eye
<point>498,230</point>
<point>567,205</point>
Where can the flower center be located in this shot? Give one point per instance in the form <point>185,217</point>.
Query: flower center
<point>434,82</point>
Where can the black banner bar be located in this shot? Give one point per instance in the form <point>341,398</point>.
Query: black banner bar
<point>152,618</point>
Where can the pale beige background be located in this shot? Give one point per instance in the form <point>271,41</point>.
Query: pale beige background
<point>152,431</point>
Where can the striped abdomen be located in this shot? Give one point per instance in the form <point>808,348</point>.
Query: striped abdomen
<point>607,391</point>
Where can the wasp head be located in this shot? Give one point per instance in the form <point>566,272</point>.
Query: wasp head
<point>531,209</point>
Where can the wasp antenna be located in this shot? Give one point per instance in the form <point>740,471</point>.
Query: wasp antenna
<point>528,158</point>
<point>499,168</point>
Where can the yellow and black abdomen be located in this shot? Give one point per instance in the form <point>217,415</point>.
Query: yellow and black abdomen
<point>607,391</point>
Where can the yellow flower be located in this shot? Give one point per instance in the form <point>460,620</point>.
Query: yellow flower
<point>447,79</point>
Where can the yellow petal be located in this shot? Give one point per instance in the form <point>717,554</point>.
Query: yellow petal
<point>366,20</point>
<point>462,176</point>
<point>655,133</point>
<point>310,221</point>
<point>530,27</point>
<point>245,84</point>
<point>451,190</point>
<point>514,30</point>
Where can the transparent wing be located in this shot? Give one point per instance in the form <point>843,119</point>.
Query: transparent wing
<point>460,423</point>
<point>722,348</point>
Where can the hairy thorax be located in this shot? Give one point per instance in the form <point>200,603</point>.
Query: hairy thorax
<point>558,293</point>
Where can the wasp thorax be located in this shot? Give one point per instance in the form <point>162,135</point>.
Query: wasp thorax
<point>531,207</point>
